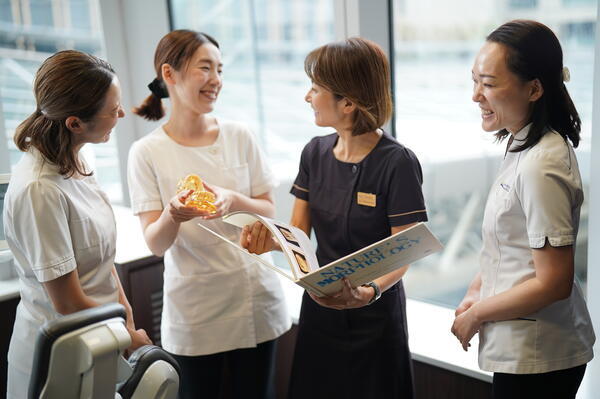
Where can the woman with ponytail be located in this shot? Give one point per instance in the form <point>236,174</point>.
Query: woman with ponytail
<point>535,332</point>
<point>59,224</point>
<point>221,311</point>
<point>354,187</point>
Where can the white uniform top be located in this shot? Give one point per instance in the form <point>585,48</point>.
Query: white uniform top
<point>53,226</point>
<point>537,196</point>
<point>215,298</point>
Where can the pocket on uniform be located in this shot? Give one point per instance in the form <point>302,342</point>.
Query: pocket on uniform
<point>511,340</point>
<point>195,300</point>
<point>240,179</point>
<point>84,233</point>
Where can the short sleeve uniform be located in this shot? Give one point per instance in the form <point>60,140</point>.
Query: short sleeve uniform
<point>216,299</point>
<point>351,206</point>
<point>53,226</point>
<point>535,199</point>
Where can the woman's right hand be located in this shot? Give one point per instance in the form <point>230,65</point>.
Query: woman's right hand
<point>257,239</point>
<point>470,299</point>
<point>179,212</point>
<point>138,338</point>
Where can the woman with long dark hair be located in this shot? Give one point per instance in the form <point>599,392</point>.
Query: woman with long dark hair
<point>535,332</point>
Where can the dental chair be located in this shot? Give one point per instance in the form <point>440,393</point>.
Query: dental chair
<point>80,356</point>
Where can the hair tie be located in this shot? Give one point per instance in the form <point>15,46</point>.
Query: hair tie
<point>566,75</point>
<point>158,88</point>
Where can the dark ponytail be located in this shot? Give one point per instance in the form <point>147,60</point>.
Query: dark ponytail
<point>534,52</point>
<point>176,49</point>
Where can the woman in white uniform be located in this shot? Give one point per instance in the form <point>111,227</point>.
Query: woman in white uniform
<point>535,332</point>
<point>58,222</point>
<point>220,307</point>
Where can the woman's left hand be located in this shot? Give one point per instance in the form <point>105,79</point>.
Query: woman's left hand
<point>224,200</point>
<point>465,326</point>
<point>348,298</point>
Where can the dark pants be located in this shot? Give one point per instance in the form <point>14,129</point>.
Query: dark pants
<point>250,373</point>
<point>560,384</point>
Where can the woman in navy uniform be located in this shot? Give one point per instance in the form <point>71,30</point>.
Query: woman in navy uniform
<point>354,187</point>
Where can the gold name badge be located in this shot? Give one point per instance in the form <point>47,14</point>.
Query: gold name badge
<point>366,199</point>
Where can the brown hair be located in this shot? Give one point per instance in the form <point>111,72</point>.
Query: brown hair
<point>534,52</point>
<point>68,83</point>
<point>176,48</point>
<point>356,69</point>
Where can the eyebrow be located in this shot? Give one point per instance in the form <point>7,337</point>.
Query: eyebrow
<point>209,61</point>
<point>483,75</point>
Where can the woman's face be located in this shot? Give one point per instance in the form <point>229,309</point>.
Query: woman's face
<point>199,83</point>
<point>99,128</point>
<point>325,106</point>
<point>504,99</point>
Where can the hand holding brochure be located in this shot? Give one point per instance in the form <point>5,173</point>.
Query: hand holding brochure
<point>359,267</point>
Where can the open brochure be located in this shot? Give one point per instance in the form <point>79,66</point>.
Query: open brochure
<point>359,267</point>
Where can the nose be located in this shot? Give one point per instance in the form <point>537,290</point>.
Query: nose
<point>477,96</point>
<point>121,112</point>
<point>216,78</point>
<point>307,97</point>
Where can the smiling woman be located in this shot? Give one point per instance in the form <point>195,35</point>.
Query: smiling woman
<point>59,224</point>
<point>219,308</point>
<point>535,332</point>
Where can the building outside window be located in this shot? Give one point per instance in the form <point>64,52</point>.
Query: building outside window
<point>263,44</point>
<point>437,119</point>
<point>31,31</point>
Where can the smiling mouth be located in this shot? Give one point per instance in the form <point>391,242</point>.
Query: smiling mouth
<point>209,94</point>
<point>486,113</point>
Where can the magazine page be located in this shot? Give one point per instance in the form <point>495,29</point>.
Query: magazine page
<point>294,243</point>
<point>375,260</point>
<point>284,270</point>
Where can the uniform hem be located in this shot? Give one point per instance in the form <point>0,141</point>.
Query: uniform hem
<point>147,207</point>
<point>537,367</point>
<point>55,271</point>
<point>555,241</point>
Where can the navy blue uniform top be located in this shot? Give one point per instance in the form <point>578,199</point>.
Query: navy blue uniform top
<point>363,352</point>
<point>390,171</point>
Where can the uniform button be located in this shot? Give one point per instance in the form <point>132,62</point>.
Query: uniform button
<point>354,168</point>
<point>214,151</point>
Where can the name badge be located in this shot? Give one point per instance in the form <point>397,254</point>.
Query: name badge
<point>366,199</point>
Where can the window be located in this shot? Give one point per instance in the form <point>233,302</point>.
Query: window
<point>30,32</point>
<point>263,43</point>
<point>434,58</point>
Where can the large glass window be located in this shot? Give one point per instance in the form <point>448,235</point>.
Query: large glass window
<point>264,43</point>
<point>31,31</point>
<point>437,119</point>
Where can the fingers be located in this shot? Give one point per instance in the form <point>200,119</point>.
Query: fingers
<point>244,237</point>
<point>258,238</point>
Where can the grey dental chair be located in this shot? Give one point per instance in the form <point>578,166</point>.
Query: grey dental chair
<point>80,356</point>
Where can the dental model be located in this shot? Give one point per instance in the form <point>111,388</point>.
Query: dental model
<point>200,198</point>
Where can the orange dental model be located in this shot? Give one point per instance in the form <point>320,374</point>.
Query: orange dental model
<point>200,198</point>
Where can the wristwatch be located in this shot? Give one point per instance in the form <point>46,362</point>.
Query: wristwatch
<point>377,290</point>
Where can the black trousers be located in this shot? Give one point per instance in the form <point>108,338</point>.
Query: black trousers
<point>250,373</point>
<point>560,384</point>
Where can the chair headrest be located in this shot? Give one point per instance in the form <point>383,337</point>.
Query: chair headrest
<point>54,329</point>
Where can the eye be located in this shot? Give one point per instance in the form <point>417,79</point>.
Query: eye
<point>205,68</point>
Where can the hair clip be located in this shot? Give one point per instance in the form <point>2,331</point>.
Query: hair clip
<point>158,88</point>
<point>566,75</point>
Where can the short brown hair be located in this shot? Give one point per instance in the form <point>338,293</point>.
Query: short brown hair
<point>68,83</point>
<point>176,48</point>
<point>356,69</point>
